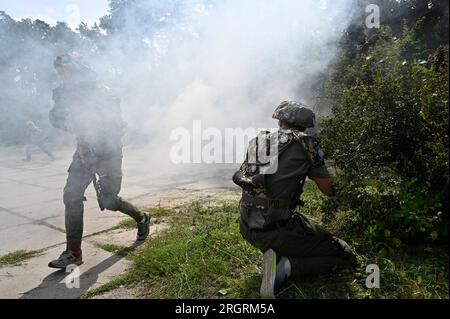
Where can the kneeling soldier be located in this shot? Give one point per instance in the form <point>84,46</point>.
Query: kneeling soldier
<point>291,244</point>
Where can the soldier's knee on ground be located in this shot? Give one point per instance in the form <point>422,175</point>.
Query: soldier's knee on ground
<point>348,253</point>
<point>352,259</point>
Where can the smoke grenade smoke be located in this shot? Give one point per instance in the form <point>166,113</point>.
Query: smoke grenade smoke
<point>226,63</point>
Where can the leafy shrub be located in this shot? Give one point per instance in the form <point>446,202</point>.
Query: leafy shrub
<point>388,136</point>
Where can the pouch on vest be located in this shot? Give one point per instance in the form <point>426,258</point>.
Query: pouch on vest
<point>258,213</point>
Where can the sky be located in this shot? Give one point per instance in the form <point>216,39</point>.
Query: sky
<point>71,11</point>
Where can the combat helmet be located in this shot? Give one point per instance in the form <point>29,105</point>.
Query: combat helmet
<point>73,61</point>
<point>295,114</point>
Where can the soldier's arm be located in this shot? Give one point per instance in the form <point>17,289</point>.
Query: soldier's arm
<point>58,115</point>
<point>241,179</point>
<point>109,103</point>
<point>325,185</point>
<point>58,118</point>
<point>319,172</point>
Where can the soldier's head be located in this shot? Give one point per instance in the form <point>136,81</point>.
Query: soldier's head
<point>72,68</point>
<point>294,115</point>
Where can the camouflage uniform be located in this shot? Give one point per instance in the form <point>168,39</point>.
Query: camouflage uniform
<point>93,115</point>
<point>269,219</point>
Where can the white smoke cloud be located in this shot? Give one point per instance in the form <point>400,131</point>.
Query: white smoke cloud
<point>228,63</point>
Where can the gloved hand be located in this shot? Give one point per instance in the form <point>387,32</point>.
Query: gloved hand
<point>258,181</point>
<point>241,180</point>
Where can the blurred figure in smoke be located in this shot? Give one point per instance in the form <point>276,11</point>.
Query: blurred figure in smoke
<point>35,139</point>
<point>86,108</point>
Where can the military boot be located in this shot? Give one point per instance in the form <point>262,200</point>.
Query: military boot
<point>143,228</point>
<point>65,259</point>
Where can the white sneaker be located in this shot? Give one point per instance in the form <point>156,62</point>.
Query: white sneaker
<point>274,274</point>
<point>269,275</point>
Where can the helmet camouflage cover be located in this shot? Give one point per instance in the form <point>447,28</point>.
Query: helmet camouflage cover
<point>295,114</point>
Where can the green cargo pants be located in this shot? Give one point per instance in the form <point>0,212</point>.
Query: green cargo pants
<point>109,170</point>
<point>310,249</point>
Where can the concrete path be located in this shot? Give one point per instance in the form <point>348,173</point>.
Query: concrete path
<point>32,215</point>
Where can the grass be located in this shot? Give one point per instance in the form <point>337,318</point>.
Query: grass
<point>18,257</point>
<point>202,255</point>
<point>118,250</point>
<point>157,215</point>
<point>126,223</point>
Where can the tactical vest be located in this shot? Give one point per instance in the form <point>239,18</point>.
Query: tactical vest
<point>93,115</point>
<point>258,210</point>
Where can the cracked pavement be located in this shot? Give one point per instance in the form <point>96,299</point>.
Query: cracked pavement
<point>32,214</point>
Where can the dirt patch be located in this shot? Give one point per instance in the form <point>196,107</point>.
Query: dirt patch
<point>123,237</point>
<point>135,292</point>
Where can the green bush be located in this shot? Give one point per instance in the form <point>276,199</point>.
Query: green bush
<point>388,136</point>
